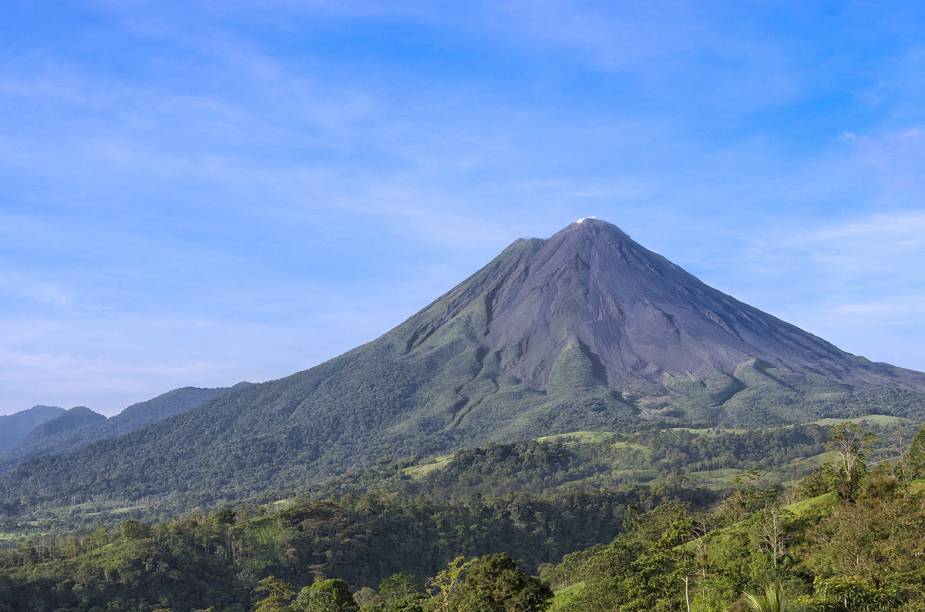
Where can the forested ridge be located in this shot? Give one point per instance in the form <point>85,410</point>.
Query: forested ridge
<point>70,432</point>
<point>847,538</point>
<point>577,461</point>
<point>216,559</point>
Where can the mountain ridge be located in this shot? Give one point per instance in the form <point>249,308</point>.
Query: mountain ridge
<point>15,427</point>
<point>73,418</point>
<point>48,439</point>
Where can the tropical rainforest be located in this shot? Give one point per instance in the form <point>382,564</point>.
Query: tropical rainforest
<point>845,536</point>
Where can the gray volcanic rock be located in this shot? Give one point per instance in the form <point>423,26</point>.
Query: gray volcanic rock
<point>635,314</point>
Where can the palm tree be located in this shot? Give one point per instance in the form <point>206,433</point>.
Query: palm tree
<point>773,600</point>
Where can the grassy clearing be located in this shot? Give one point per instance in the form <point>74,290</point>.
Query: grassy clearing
<point>127,509</point>
<point>281,504</point>
<point>632,446</point>
<point>716,479</point>
<point>115,510</point>
<point>580,437</point>
<point>635,474</point>
<point>821,504</point>
<point>792,472</point>
<point>803,465</point>
<point>575,438</point>
<point>709,431</point>
<point>813,505</point>
<point>814,461</point>
<point>566,596</point>
<point>873,419</point>
<point>423,469</point>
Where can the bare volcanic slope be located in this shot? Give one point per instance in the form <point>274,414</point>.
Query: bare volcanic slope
<point>584,330</point>
<point>635,314</point>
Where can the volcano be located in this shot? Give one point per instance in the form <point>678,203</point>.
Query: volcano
<point>633,313</point>
<point>585,330</point>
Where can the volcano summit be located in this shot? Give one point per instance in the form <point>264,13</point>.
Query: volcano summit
<point>633,313</point>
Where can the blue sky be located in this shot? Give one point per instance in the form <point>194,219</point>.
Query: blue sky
<point>197,193</point>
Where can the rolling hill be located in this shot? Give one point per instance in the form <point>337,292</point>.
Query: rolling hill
<point>75,418</point>
<point>15,427</point>
<point>586,330</point>
<point>73,430</point>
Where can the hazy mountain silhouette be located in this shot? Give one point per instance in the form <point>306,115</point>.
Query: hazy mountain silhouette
<point>15,427</point>
<point>73,430</point>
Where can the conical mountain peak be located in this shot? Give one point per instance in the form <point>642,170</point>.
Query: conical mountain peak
<point>636,315</point>
<point>592,228</point>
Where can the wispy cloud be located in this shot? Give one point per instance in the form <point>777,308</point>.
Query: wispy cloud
<point>857,281</point>
<point>891,244</point>
<point>275,183</point>
<point>900,310</point>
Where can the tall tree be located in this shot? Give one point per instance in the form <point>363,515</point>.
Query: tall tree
<point>494,583</point>
<point>277,595</point>
<point>330,595</point>
<point>852,444</point>
<point>916,455</point>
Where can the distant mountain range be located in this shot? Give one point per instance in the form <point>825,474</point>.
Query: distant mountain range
<point>75,418</point>
<point>78,427</point>
<point>586,330</point>
<point>15,427</point>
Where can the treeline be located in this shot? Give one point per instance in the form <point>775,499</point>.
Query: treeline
<point>484,584</point>
<point>218,559</point>
<point>847,538</point>
<point>601,461</point>
<point>604,460</point>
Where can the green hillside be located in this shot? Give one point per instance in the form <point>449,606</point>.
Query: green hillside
<point>573,462</point>
<point>819,553</point>
<point>68,433</point>
<point>14,428</point>
<point>217,559</point>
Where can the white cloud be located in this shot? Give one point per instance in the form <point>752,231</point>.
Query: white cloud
<point>891,244</point>
<point>903,309</point>
<point>857,282</point>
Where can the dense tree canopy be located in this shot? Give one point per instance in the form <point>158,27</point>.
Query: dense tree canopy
<point>629,548</point>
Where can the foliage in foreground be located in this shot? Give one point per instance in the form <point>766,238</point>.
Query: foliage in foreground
<point>856,546</point>
<point>218,559</point>
<point>848,538</point>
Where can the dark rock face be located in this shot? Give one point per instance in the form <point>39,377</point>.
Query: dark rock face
<point>636,315</point>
